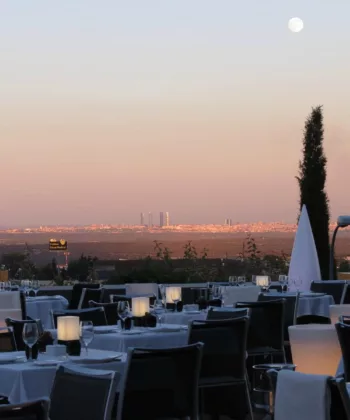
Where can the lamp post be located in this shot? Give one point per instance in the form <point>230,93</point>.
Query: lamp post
<point>342,222</point>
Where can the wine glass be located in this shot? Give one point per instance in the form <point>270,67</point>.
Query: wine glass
<point>232,280</point>
<point>284,282</point>
<point>241,280</point>
<point>297,281</point>
<point>30,335</point>
<point>86,333</point>
<point>123,310</point>
<point>35,286</point>
<point>162,290</point>
<point>158,310</point>
<point>175,298</point>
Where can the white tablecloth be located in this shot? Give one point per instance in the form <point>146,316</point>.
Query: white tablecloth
<point>147,338</point>
<point>182,318</point>
<point>40,308</point>
<point>310,303</point>
<point>22,381</point>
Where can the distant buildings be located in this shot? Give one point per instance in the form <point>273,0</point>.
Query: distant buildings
<point>167,219</point>
<point>150,220</point>
<point>161,219</point>
<point>142,219</point>
<point>228,222</point>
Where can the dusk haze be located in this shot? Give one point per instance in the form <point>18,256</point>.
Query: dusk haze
<point>196,108</point>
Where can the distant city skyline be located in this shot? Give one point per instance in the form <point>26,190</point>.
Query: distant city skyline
<point>197,107</point>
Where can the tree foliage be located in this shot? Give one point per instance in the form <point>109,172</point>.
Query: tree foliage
<point>311,180</point>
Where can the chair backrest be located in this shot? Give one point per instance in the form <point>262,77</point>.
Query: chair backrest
<point>335,288</point>
<point>161,383</point>
<point>290,308</point>
<point>266,324</point>
<point>226,313</point>
<point>77,291</point>
<point>82,393</point>
<point>110,311</point>
<point>232,295</point>
<point>90,294</point>
<point>33,410</point>
<point>224,352</point>
<point>95,315</point>
<point>11,306</point>
<point>343,332</point>
<point>339,397</point>
<point>17,328</point>
<point>7,340</point>
<point>337,311</point>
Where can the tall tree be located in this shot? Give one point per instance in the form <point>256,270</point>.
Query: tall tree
<point>312,179</point>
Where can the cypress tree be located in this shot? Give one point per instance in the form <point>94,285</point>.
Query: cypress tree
<point>312,179</point>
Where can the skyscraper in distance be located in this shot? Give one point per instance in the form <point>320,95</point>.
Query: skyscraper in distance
<point>150,220</point>
<point>142,219</point>
<point>161,219</point>
<point>167,219</point>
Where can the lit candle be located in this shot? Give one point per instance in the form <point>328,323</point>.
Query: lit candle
<point>140,305</point>
<point>68,328</point>
<point>172,293</point>
<point>262,281</point>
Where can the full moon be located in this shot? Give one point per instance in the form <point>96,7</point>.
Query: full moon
<point>295,24</point>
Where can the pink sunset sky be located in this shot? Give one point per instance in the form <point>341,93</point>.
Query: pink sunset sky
<point>192,107</point>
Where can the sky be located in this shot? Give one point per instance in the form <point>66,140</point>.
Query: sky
<point>111,108</point>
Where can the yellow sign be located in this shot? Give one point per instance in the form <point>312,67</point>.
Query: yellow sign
<point>55,245</point>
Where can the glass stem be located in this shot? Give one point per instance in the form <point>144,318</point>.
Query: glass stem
<point>30,354</point>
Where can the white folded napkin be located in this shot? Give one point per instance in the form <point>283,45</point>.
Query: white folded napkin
<point>301,396</point>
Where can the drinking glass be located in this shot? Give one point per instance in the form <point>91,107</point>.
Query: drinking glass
<point>123,310</point>
<point>30,336</point>
<point>284,282</point>
<point>175,298</point>
<point>35,286</point>
<point>86,333</point>
<point>232,280</point>
<point>158,310</point>
<point>162,290</point>
<point>297,282</point>
<point>241,280</point>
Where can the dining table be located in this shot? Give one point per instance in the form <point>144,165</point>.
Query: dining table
<point>23,381</point>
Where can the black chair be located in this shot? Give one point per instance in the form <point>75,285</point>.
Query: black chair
<point>290,309</point>
<point>339,397</point>
<point>7,340</point>
<point>90,294</point>
<point>22,298</point>
<point>84,394</point>
<point>17,328</point>
<point>343,332</point>
<point>266,329</point>
<point>95,315</point>
<point>34,410</point>
<point>110,311</point>
<point>215,314</point>
<point>312,319</point>
<point>77,291</point>
<point>223,366</point>
<point>161,384</point>
<point>335,288</point>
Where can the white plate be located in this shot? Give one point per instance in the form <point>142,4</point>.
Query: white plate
<point>8,358</point>
<point>166,329</point>
<point>131,332</point>
<point>105,329</point>
<point>97,358</point>
<point>54,362</point>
